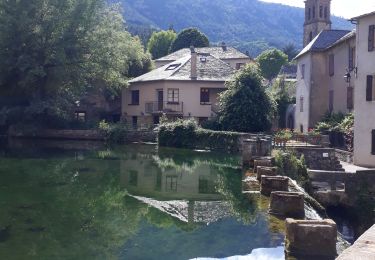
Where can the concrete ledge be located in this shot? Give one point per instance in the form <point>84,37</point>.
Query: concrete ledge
<point>273,183</point>
<point>311,238</point>
<point>266,171</point>
<point>288,204</point>
<point>268,162</point>
<point>363,248</point>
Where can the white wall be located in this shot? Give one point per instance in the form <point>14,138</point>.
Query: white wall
<point>303,90</point>
<point>364,111</point>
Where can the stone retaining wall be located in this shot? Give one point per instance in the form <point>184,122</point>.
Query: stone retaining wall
<point>318,158</point>
<point>344,156</point>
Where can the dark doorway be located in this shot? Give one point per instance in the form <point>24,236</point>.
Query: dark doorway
<point>135,122</point>
<point>156,120</point>
<point>290,122</point>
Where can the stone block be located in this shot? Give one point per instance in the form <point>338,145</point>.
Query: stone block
<point>288,204</point>
<point>268,162</point>
<point>273,183</point>
<point>311,238</point>
<point>266,171</point>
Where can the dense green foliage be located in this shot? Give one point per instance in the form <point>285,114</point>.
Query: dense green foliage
<point>250,25</point>
<point>160,43</point>
<point>245,106</point>
<point>187,134</point>
<point>189,37</point>
<point>289,165</point>
<point>270,62</point>
<point>290,50</point>
<point>283,94</point>
<point>113,133</point>
<point>53,52</point>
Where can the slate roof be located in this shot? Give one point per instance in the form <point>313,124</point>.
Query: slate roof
<point>217,52</point>
<point>209,68</point>
<point>323,40</point>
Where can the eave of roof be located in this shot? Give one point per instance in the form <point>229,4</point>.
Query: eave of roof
<point>361,16</point>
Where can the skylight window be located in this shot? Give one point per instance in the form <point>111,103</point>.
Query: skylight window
<point>173,66</point>
<point>203,59</point>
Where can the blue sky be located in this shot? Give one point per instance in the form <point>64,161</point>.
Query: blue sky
<point>343,8</point>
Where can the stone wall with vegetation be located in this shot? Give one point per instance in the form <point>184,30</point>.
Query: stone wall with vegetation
<point>318,158</point>
<point>187,134</point>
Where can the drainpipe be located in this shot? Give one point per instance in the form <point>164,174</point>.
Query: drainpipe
<point>193,61</point>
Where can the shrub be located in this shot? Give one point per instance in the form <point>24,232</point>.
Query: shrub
<point>114,133</point>
<point>289,165</point>
<point>187,134</point>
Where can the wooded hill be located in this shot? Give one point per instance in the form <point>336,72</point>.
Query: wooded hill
<point>250,25</point>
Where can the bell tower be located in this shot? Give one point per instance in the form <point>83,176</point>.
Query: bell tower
<point>317,19</point>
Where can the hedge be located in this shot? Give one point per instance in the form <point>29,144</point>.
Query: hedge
<point>187,134</point>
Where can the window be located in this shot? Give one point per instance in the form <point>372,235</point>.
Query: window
<point>309,14</point>
<point>321,11</point>
<point>303,71</point>
<point>80,116</point>
<point>331,99</point>
<point>239,65</point>
<point>370,88</point>
<point>331,65</point>
<point>349,101</point>
<point>173,66</point>
<point>371,39</point>
<point>301,104</point>
<point>326,12</point>
<point>171,183</point>
<point>205,95</point>
<point>313,12</point>
<point>135,97</point>
<point>351,58</point>
<point>310,37</point>
<point>173,95</point>
<point>301,128</point>
<point>373,142</point>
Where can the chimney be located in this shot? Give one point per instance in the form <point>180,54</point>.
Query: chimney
<point>224,46</point>
<point>193,62</point>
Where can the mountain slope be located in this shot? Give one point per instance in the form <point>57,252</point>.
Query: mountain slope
<point>248,24</point>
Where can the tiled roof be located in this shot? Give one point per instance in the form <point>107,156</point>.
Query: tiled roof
<point>209,68</point>
<point>217,52</point>
<point>323,40</point>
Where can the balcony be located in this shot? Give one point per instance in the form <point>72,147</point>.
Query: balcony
<point>170,108</point>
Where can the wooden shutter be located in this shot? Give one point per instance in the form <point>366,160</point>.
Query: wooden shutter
<point>369,88</point>
<point>349,102</point>
<point>371,38</point>
<point>373,142</point>
<point>351,60</point>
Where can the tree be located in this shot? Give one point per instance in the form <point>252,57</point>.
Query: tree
<point>270,62</point>
<point>190,37</point>
<point>245,106</point>
<point>291,50</point>
<point>160,43</point>
<point>60,49</point>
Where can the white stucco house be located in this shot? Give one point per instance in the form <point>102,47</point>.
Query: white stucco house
<point>364,91</point>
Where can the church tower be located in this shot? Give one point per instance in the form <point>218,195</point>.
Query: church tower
<point>317,19</point>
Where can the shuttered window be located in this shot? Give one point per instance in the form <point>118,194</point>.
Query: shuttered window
<point>373,142</point>
<point>330,106</point>
<point>331,65</point>
<point>351,58</point>
<point>349,102</point>
<point>205,95</point>
<point>369,88</point>
<point>371,35</point>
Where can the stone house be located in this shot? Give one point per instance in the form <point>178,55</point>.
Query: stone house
<point>322,65</point>
<point>364,91</point>
<point>186,87</point>
<point>230,55</point>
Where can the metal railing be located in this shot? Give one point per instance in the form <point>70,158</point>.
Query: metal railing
<point>156,107</point>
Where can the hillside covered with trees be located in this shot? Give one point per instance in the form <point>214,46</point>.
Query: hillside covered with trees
<point>250,25</point>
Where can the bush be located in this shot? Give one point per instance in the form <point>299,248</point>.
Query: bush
<point>289,165</point>
<point>187,134</point>
<point>114,133</point>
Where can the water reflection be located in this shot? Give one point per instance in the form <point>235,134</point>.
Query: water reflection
<point>63,200</point>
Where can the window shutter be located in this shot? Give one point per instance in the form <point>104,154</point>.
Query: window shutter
<point>349,101</point>
<point>371,38</point>
<point>373,142</point>
<point>351,54</point>
<point>369,88</point>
